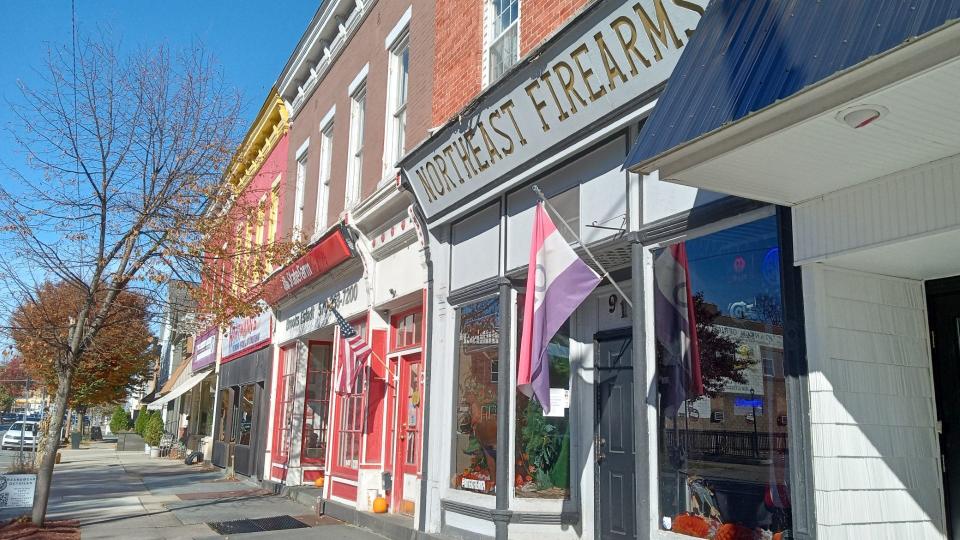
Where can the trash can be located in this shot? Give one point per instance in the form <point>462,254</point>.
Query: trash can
<point>75,440</point>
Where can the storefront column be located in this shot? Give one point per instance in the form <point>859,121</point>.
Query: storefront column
<point>501,516</point>
<point>641,394</point>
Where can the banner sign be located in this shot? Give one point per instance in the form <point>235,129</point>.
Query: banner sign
<point>330,252</point>
<point>600,63</point>
<point>246,333</point>
<point>205,349</point>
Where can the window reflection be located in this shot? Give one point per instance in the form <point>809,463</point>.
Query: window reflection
<point>722,394</point>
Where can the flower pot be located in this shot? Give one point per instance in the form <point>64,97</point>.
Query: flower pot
<point>154,451</point>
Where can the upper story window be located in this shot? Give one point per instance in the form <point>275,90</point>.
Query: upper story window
<point>503,43</point>
<point>323,186</point>
<point>397,104</point>
<point>300,193</point>
<point>358,102</point>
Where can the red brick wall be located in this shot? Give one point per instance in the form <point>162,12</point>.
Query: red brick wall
<point>459,56</point>
<point>539,19</point>
<point>459,45</point>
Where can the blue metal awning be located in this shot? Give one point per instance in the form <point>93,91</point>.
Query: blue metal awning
<point>746,56</point>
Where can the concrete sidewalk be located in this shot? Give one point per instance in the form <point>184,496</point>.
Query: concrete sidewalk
<point>130,495</point>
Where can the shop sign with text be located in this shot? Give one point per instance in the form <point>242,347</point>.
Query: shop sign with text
<point>600,64</point>
<point>246,333</point>
<point>349,297</point>
<point>323,257</point>
<point>205,349</point>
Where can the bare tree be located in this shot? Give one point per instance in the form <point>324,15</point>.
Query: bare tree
<point>126,154</point>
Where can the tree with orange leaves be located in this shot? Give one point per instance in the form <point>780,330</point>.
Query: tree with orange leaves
<point>122,191</point>
<point>116,361</point>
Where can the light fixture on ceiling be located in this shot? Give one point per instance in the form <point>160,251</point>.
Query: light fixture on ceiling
<point>861,115</point>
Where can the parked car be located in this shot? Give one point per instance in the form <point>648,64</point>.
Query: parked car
<point>26,430</point>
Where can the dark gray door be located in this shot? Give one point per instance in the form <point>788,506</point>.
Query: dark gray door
<point>613,440</point>
<point>945,326</point>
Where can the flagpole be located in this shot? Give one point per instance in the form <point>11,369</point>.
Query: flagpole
<point>549,207</point>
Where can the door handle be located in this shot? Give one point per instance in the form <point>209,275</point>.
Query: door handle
<point>598,444</point>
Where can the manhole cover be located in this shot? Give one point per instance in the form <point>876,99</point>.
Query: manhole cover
<point>240,526</point>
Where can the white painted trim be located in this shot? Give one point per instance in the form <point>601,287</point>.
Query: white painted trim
<point>360,78</point>
<point>398,29</point>
<point>327,119</point>
<point>302,149</point>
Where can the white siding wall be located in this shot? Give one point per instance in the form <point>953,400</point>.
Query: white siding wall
<point>872,414</point>
<point>913,203</point>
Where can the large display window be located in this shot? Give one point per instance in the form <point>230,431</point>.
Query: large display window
<point>542,442</point>
<point>478,371</point>
<point>286,388</point>
<point>722,398</point>
<point>317,403</point>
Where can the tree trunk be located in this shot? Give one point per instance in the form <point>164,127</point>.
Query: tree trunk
<point>52,443</point>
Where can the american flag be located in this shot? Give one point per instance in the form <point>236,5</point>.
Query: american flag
<point>356,351</point>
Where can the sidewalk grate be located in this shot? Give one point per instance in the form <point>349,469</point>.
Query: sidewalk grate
<point>240,526</point>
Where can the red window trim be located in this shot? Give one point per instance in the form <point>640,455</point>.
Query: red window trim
<point>321,461</point>
<point>336,468</point>
<point>279,409</point>
<point>394,326</point>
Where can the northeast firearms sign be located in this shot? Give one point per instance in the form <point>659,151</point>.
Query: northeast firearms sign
<point>599,64</point>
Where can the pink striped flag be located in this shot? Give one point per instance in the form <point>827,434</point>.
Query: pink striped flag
<point>557,282</point>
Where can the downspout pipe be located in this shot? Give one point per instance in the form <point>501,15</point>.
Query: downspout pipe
<point>421,221</point>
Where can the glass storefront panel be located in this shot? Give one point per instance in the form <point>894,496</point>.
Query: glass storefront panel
<point>245,413</point>
<point>478,365</point>
<point>317,404</point>
<point>722,433</point>
<point>542,443</point>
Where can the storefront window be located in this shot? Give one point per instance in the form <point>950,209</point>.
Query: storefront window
<point>286,389</point>
<point>407,330</point>
<point>205,411</point>
<point>225,405</point>
<point>317,403</point>
<point>475,443</point>
<point>351,426</point>
<point>246,414</point>
<point>542,445</point>
<point>723,453</point>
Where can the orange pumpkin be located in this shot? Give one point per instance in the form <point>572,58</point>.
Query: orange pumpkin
<point>732,531</point>
<point>318,482</point>
<point>379,505</point>
<point>691,525</point>
<point>778,536</point>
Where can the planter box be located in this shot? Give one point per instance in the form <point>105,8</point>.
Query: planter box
<point>129,442</point>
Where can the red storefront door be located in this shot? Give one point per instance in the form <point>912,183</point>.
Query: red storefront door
<point>409,421</point>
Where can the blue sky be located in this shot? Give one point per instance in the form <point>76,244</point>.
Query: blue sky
<point>251,39</point>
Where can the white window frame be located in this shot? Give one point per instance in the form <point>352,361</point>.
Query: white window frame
<point>358,104</point>
<point>489,16</point>
<point>300,190</point>
<point>396,43</point>
<point>325,173</point>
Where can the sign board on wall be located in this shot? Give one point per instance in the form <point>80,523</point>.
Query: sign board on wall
<point>246,333</point>
<point>323,257</point>
<point>17,490</point>
<point>205,349</point>
<point>601,63</point>
<point>349,296</point>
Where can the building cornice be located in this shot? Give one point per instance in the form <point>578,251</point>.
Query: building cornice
<point>322,43</point>
<point>271,123</point>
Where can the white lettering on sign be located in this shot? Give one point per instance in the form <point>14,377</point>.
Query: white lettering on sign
<point>475,485</point>
<point>616,59</point>
<point>296,276</point>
